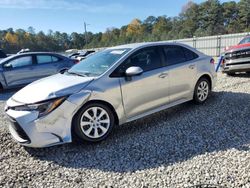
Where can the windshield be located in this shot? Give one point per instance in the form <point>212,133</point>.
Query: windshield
<point>245,40</point>
<point>97,63</point>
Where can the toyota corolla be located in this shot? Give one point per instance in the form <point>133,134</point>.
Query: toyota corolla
<point>112,87</point>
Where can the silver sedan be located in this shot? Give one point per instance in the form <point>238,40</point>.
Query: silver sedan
<point>112,87</point>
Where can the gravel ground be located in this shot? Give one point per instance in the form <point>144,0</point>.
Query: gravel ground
<point>180,147</point>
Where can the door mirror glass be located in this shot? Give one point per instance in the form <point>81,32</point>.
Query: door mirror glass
<point>133,71</point>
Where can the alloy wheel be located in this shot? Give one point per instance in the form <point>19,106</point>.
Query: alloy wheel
<point>95,122</point>
<point>203,91</point>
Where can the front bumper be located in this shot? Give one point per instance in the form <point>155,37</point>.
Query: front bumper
<point>52,129</point>
<point>236,64</point>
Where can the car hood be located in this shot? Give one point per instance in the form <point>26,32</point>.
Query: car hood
<point>51,87</point>
<point>247,45</point>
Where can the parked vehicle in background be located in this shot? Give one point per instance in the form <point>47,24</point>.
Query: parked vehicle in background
<point>237,58</point>
<point>81,55</point>
<point>22,69</point>
<point>2,54</point>
<point>111,87</point>
<point>23,51</point>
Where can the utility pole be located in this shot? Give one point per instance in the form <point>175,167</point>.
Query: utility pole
<point>85,30</point>
<point>86,33</point>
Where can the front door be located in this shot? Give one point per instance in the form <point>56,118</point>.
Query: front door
<point>19,71</point>
<point>149,90</point>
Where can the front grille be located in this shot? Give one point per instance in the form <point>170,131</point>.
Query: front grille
<point>21,133</point>
<point>238,54</point>
<point>241,63</point>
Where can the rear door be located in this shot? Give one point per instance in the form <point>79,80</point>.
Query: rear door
<point>19,71</point>
<point>46,65</point>
<point>182,72</point>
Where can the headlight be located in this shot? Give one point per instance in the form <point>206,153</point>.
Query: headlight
<point>42,107</point>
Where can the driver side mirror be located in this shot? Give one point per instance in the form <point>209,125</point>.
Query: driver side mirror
<point>133,71</point>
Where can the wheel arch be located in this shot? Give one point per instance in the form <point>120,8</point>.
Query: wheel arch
<point>95,101</point>
<point>208,77</point>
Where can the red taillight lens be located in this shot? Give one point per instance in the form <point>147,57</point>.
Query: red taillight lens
<point>212,61</point>
<point>76,61</point>
<point>223,61</point>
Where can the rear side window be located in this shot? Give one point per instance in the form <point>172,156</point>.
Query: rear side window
<point>41,59</point>
<point>190,55</point>
<point>174,55</point>
<point>178,54</point>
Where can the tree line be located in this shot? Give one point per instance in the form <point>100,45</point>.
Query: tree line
<point>205,19</point>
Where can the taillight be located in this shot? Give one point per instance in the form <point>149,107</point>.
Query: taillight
<point>76,61</point>
<point>212,61</point>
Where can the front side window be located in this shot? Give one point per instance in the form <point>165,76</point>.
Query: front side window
<point>98,63</point>
<point>147,59</point>
<point>19,62</point>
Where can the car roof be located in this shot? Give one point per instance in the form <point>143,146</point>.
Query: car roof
<point>30,53</point>
<point>145,44</point>
<point>34,53</point>
<point>148,44</point>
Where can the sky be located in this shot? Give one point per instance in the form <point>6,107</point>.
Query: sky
<point>69,15</point>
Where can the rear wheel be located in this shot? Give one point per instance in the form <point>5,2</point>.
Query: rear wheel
<point>230,73</point>
<point>202,91</point>
<point>94,122</point>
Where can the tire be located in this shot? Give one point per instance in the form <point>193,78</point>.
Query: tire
<point>1,88</point>
<point>202,91</point>
<point>230,73</point>
<point>93,123</point>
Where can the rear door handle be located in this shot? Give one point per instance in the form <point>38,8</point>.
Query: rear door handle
<point>163,75</point>
<point>191,66</point>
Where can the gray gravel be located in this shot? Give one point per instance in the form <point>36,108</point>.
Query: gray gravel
<point>181,147</point>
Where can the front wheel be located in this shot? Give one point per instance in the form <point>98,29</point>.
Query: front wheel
<point>202,91</point>
<point>94,122</point>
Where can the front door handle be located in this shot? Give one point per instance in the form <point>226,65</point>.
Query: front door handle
<point>191,66</point>
<point>163,75</point>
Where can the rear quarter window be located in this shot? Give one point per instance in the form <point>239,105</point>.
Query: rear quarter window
<point>190,55</point>
<point>55,59</point>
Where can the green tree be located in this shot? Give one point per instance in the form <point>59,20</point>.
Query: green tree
<point>244,14</point>
<point>210,19</point>
<point>231,17</point>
